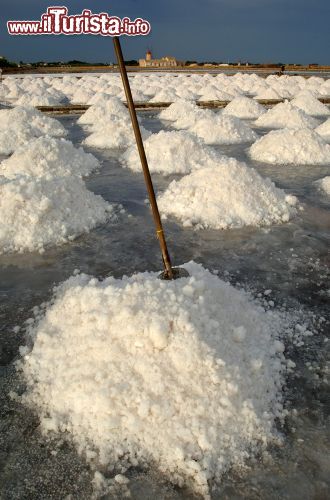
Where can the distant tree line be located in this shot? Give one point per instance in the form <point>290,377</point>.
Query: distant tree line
<point>4,63</point>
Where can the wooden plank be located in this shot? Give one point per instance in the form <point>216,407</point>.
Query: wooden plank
<point>81,108</point>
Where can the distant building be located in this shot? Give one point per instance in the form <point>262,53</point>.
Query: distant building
<point>164,62</point>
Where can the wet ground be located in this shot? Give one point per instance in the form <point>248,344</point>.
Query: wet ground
<point>290,259</point>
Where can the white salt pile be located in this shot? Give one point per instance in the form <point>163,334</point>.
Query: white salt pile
<point>323,185</point>
<point>244,108</point>
<point>285,115</point>
<point>165,95</point>
<point>173,152</point>
<point>82,96</point>
<point>20,125</point>
<point>100,98</point>
<point>13,138</point>
<point>177,109</point>
<point>228,195</point>
<point>298,147</point>
<point>117,133</point>
<point>188,118</point>
<point>185,375</point>
<point>49,157</point>
<point>36,212</point>
<point>184,113</point>
<point>216,95</point>
<point>324,130</point>
<point>110,124</point>
<point>42,99</point>
<point>310,104</point>
<point>267,94</point>
<point>104,111</point>
<point>22,116</point>
<point>222,129</point>
<point>210,93</point>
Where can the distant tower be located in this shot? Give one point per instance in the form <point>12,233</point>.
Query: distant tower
<point>148,55</point>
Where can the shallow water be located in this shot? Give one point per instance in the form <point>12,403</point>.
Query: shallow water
<point>290,259</point>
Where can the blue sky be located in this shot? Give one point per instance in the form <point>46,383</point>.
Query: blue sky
<point>219,30</point>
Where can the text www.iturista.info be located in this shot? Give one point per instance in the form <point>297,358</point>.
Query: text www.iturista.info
<point>56,21</point>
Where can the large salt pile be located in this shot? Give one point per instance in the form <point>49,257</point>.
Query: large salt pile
<point>167,94</point>
<point>177,109</point>
<point>244,108</point>
<point>12,90</point>
<point>216,95</point>
<point>285,115</point>
<point>324,130</point>
<point>37,212</point>
<point>13,138</point>
<point>323,185</point>
<point>111,125</point>
<point>185,114</point>
<point>42,99</point>
<point>211,93</point>
<point>49,157</point>
<point>267,94</point>
<point>117,133</point>
<point>310,104</point>
<point>20,125</point>
<point>227,195</point>
<point>173,152</point>
<point>184,375</point>
<point>286,146</point>
<point>82,96</point>
<point>29,116</point>
<point>104,111</point>
<point>100,98</point>
<point>223,129</point>
<point>285,88</point>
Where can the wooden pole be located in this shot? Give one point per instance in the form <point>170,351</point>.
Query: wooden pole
<point>168,272</point>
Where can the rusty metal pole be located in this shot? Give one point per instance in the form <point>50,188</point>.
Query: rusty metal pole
<point>144,163</point>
